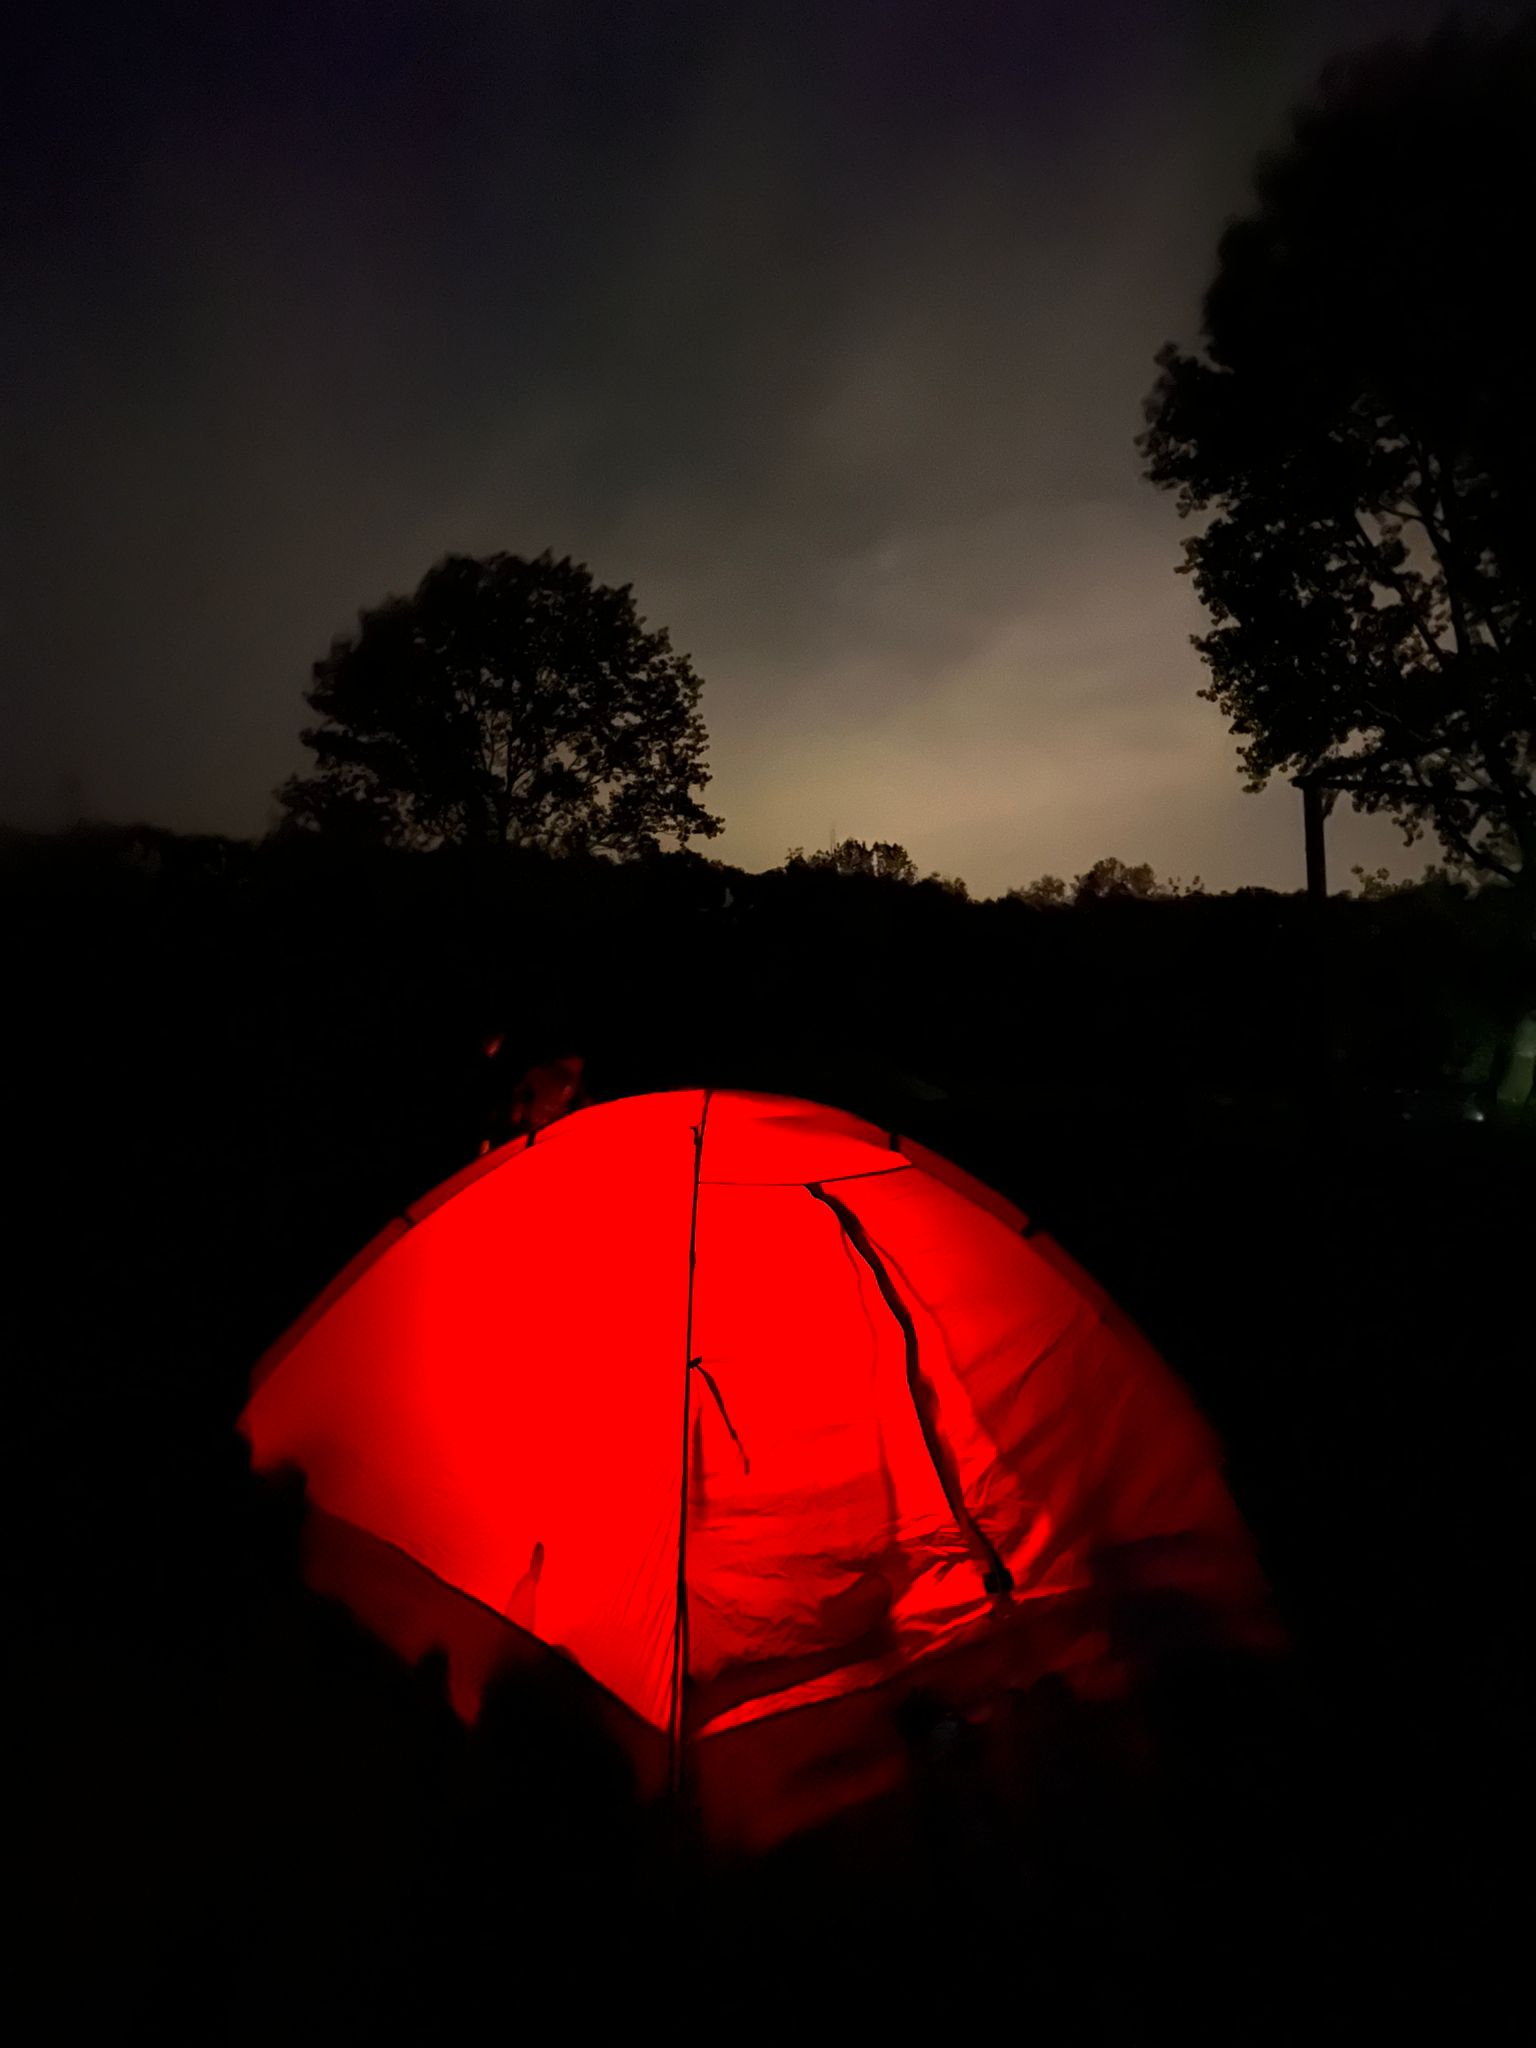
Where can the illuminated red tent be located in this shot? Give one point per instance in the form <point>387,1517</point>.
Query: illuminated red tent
<point>758,1414</point>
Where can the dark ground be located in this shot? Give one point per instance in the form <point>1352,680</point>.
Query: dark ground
<point>240,1821</point>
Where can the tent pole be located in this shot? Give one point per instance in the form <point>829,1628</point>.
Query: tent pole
<point>677,1719</point>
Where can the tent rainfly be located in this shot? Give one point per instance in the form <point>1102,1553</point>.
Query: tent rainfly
<point>760,1416</point>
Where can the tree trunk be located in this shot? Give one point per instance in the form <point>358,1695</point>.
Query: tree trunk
<point>1519,1078</point>
<point>1517,1084</point>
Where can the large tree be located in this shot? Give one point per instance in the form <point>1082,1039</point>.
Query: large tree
<point>1358,439</point>
<point>508,702</point>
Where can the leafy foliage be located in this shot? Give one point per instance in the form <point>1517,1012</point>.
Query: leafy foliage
<point>882,861</point>
<point>508,702</point>
<point>1046,892</point>
<point>1108,881</point>
<point>1360,439</point>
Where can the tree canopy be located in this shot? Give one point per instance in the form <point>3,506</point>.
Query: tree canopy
<point>883,860</point>
<point>1108,881</point>
<point>878,860</point>
<point>1359,438</point>
<point>508,702</point>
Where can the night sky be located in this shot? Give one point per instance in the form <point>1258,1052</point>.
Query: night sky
<point>827,326</point>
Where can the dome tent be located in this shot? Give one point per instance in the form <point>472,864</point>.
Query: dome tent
<point>760,1416</point>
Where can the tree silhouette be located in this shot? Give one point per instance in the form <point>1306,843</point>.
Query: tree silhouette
<point>1360,433</point>
<point>508,702</point>
<point>1114,881</point>
<point>1046,892</point>
<point>1108,881</point>
<point>883,860</point>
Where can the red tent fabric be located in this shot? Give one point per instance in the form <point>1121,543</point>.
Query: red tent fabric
<point>753,1411</point>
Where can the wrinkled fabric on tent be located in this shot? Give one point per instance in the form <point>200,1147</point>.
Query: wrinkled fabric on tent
<point>755,1413</point>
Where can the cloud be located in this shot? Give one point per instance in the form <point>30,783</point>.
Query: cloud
<point>825,327</point>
